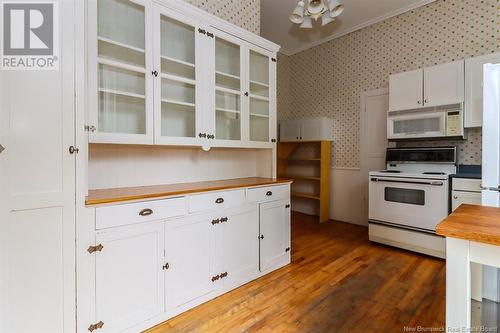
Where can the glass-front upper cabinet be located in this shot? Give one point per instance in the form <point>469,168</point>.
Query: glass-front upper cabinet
<point>178,97</point>
<point>228,88</point>
<point>119,72</point>
<point>261,97</point>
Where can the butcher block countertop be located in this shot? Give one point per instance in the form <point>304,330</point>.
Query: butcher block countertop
<point>114,195</point>
<point>471,222</point>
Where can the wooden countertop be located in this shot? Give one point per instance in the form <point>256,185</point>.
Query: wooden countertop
<point>472,222</point>
<point>113,195</point>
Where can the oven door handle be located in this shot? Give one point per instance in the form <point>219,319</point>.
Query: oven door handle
<point>433,183</point>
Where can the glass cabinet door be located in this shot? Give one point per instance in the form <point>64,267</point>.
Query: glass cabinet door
<point>122,82</point>
<point>176,119</point>
<point>227,90</point>
<point>259,97</point>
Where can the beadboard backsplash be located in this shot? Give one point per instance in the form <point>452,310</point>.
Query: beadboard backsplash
<point>327,80</point>
<point>114,166</point>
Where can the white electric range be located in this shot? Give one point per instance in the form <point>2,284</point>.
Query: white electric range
<point>410,197</point>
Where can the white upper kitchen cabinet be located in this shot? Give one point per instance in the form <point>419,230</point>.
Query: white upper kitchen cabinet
<point>120,71</point>
<point>308,129</point>
<point>474,88</point>
<point>274,234</point>
<point>238,245</point>
<point>405,90</point>
<point>189,259</point>
<point>167,73</point>
<point>179,81</point>
<point>128,276</point>
<point>444,84</point>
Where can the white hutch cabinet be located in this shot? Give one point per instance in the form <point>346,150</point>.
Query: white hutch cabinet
<point>161,74</point>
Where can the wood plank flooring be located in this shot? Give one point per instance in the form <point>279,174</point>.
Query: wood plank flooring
<point>338,282</point>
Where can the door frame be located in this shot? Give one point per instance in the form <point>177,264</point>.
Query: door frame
<point>362,139</point>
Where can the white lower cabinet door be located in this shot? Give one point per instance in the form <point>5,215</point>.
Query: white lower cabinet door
<point>129,276</point>
<point>237,241</point>
<point>190,254</point>
<point>274,234</point>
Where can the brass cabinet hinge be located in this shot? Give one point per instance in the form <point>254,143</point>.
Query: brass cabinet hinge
<point>166,266</point>
<point>97,248</point>
<point>97,326</point>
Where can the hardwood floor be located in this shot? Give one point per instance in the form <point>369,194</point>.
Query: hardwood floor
<point>338,282</point>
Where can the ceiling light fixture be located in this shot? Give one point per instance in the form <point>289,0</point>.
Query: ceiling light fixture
<point>308,10</point>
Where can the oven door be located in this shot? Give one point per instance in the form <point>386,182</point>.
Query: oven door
<point>416,125</point>
<point>408,202</point>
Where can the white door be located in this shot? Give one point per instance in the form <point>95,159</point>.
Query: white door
<point>37,192</point>
<point>129,276</point>
<point>237,239</point>
<point>120,71</point>
<point>375,105</point>
<point>228,97</point>
<point>474,88</point>
<point>190,254</point>
<point>444,84</point>
<point>290,130</point>
<point>261,74</point>
<point>405,90</point>
<point>274,234</point>
<point>179,91</point>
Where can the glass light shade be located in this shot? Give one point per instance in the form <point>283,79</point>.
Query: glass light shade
<point>336,8</point>
<point>307,23</point>
<point>297,15</point>
<point>326,18</point>
<point>315,7</point>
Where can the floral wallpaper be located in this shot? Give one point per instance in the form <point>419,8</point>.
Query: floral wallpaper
<point>243,13</point>
<point>327,80</point>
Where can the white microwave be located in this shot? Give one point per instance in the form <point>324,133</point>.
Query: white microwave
<point>428,123</point>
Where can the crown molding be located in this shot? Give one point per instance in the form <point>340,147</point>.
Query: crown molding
<point>368,23</point>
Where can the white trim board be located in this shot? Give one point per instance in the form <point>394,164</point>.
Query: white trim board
<point>357,27</point>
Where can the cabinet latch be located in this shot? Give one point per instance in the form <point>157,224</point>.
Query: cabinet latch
<point>215,278</point>
<point>274,59</point>
<point>287,249</point>
<point>223,275</point>
<point>73,150</point>
<point>97,248</point>
<point>287,206</point>
<point>89,128</point>
<point>96,326</point>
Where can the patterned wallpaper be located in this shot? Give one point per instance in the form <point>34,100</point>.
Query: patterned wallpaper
<point>243,13</point>
<point>327,80</point>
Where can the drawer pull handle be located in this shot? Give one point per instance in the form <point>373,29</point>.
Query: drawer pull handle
<point>269,193</point>
<point>219,200</point>
<point>146,212</point>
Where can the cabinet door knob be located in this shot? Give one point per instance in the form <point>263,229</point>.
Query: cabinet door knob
<point>219,200</point>
<point>223,219</point>
<point>455,197</point>
<point>246,93</point>
<point>216,221</point>
<point>269,193</point>
<point>146,212</point>
<point>418,102</point>
<point>261,237</point>
<point>155,73</point>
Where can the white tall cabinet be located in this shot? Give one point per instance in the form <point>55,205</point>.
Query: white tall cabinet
<point>37,192</point>
<point>172,76</point>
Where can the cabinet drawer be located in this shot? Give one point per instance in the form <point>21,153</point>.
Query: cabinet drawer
<point>465,184</point>
<point>268,193</point>
<point>113,216</point>
<point>214,200</point>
